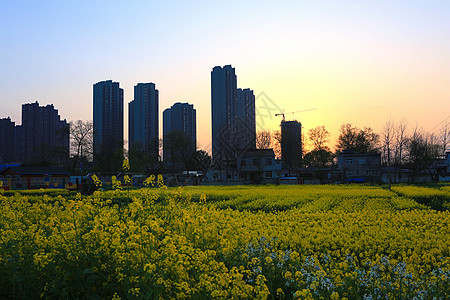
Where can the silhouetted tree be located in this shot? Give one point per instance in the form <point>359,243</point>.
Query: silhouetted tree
<point>109,161</point>
<point>180,150</point>
<point>401,140</point>
<point>145,158</point>
<point>263,139</point>
<point>81,140</point>
<point>445,137</point>
<point>319,137</point>
<point>276,144</point>
<point>388,139</point>
<point>422,151</point>
<point>318,158</point>
<point>359,140</point>
<point>321,155</point>
<point>202,160</point>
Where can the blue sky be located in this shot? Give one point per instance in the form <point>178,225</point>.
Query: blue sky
<point>361,62</point>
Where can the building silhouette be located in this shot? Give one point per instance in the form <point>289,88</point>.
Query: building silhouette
<point>245,103</point>
<point>143,121</point>
<point>233,116</point>
<point>43,138</point>
<point>223,108</point>
<point>7,140</point>
<point>108,119</point>
<point>179,132</point>
<point>291,145</point>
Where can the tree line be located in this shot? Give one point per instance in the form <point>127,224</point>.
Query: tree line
<point>398,144</point>
<point>143,159</point>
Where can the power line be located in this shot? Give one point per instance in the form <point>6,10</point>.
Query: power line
<point>436,127</point>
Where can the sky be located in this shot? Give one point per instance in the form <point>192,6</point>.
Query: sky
<point>358,62</point>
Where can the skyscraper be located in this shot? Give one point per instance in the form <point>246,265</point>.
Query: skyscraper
<point>108,119</point>
<point>233,116</point>
<point>143,121</point>
<point>291,145</point>
<point>246,117</point>
<point>223,108</point>
<point>179,130</point>
<point>44,137</point>
<point>7,140</point>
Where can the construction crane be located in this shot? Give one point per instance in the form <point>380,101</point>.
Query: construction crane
<point>292,112</point>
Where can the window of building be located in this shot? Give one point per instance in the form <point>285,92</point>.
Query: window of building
<point>361,161</point>
<point>367,172</point>
<point>268,161</point>
<point>375,172</point>
<point>348,161</point>
<point>243,162</point>
<point>255,161</point>
<point>268,174</point>
<point>349,173</point>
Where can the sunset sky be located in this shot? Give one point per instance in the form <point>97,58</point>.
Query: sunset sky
<point>361,62</point>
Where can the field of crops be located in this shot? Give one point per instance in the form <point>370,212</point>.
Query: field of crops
<point>242,242</point>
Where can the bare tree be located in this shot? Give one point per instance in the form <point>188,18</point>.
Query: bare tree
<point>277,143</point>
<point>422,151</point>
<point>319,136</point>
<point>445,137</point>
<point>388,136</point>
<point>263,139</point>
<point>388,139</point>
<point>401,140</point>
<point>81,140</point>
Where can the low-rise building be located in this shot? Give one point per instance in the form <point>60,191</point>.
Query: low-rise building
<point>259,166</point>
<point>445,176</point>
<point>360,167</point>
<point>254,166</point>
<point>30,177</point>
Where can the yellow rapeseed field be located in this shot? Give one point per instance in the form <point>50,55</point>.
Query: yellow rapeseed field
<point>243,242</point>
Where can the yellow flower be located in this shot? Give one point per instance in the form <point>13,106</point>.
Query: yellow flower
<point>125,165</point>
<point>96,180</point>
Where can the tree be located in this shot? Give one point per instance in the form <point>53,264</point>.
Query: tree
<point>145,158</point>
<point>109,161</point>
<point>276,144</point>
<point>445,137</point>
<point>202,160</point>
<point>388,138</point>
<point>263,139</point>
<point>81,140</point>
<point>318,158</point>
<point>359,140</point>
<point>319,137</point>
<point>401,140</point>
<point>179,150</point>
<point>321,155</point>
<point>422,151</point>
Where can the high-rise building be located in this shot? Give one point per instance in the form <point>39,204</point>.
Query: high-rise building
<point>291,145</point>
<point>233,116</point>
<point>44,137</point>
<point>245,103</point>
<point>108,119</point>
<point>223,108</point>
<point>143,121</point>
<point>7,140</point>
<point>179,130</point>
